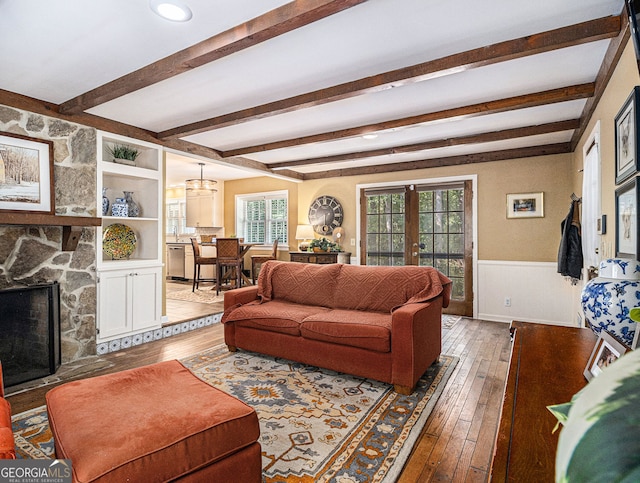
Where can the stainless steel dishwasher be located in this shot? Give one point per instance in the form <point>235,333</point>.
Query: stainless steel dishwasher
<point>175,261</point>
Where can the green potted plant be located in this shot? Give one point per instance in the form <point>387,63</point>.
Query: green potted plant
<point>123,154</point>
<point>324,245</point>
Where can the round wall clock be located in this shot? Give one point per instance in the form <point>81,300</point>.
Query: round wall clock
<point>325,214</point>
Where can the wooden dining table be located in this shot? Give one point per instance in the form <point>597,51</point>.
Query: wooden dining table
<point>244,248</point>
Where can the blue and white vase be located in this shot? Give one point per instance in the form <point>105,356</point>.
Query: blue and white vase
<point>608,298</point>
<point>105,202</point>
<point>120,208</point>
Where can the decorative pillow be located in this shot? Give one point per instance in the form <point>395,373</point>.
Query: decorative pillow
<point>600,440</point>
<point>381,289</point>
<point>300,283</point>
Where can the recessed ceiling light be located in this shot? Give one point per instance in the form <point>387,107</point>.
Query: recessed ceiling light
<point>173,10</point>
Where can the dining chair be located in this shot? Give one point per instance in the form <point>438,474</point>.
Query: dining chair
<point>228,257</point>
<point>258,260</point>
<point>198,261</point>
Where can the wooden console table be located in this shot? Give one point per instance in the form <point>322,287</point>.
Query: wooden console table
<point>316,257</point>
<point>546,367</point>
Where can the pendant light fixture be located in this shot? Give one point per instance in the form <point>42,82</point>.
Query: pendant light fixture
<point>200,184</point>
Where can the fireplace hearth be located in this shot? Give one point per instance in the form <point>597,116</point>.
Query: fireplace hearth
<point>29,332</point>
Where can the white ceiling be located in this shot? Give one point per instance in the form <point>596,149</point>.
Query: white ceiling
<point>56,51</point>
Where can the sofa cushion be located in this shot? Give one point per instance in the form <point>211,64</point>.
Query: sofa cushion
<point>276,316</point>
<point>368,330</point>
<point>381,289</point>
<point>300,283</point>
<point>153,423</point>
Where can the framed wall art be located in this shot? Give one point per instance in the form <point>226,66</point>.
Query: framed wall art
<point>626,138</point>
<point>606,351</point>
<point>525,205</point>
<point>26,174</point>
<point>627,220</point>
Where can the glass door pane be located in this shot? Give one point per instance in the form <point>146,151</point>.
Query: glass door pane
<point>385,228</point>
<point>427,225</point>
<point>441,233</point>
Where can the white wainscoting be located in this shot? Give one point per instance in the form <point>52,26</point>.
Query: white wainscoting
<point>536,291</point>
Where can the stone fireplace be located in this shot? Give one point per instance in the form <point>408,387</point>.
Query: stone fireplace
<point>32,255</point>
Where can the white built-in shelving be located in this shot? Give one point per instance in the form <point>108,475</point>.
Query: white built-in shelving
<point>129,290</point>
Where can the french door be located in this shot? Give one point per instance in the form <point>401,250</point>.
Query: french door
<point>422,225</point>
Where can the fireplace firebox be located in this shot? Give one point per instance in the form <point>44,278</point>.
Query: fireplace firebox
<point>29,332</point>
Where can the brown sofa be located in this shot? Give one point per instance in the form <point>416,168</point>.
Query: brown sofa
<point>382,323</point>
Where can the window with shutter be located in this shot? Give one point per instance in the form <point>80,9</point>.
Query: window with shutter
<point>262,217</point>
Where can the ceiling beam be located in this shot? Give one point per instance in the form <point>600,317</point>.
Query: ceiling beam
<point>562,94</point>
<point>278,21</point>
<point>516,153</point>
<point>581,33</point>
<point>19,101</point>
<point>485,137</point>
<point>237,162</point>
<point>609,63</point>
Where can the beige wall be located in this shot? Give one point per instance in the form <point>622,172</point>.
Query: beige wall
<point>622,82</point>
<point>260,185</point>
<point>499,238</point>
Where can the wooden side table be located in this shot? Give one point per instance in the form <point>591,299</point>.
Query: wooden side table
<point>546,367</point>
<point>316,257</point>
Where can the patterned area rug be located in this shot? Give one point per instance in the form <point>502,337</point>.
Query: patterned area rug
<point>203,296</point>
<point>315,424</point>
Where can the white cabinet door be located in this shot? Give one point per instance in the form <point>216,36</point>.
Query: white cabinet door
<point>145,298</point>
<point>188,262</point>
<point>200,209</point>
<point>114,305</point>
<point>128,301</point>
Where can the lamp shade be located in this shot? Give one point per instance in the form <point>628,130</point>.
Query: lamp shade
<point>304,232</point>
<point>200,184</point>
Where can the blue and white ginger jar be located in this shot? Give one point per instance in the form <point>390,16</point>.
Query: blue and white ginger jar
<point>608,298</point>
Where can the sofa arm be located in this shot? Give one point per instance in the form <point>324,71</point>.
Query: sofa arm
<point>7,443</point>
<point>240,296</point>
<point>234,298</point>
<point>416,340</point>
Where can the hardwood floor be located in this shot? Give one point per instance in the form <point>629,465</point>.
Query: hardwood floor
<point>457,441</point>
<point>178,310</point>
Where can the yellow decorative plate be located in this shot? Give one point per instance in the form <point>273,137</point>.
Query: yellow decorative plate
<point>119,241</point>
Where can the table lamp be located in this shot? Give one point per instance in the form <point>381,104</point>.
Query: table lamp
<point>304,233</point>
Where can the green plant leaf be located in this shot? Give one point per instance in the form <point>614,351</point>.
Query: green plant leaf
<point>122,151</point>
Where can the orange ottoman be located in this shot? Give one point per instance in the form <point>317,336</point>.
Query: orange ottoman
<point>154,423</point>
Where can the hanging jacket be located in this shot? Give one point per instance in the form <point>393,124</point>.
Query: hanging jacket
<point>570,252</point>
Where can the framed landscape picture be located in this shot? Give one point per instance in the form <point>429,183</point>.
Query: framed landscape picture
<point>26,174</point>
<point>627,220</point>
<point>525,205</point>
<point>626,138</point>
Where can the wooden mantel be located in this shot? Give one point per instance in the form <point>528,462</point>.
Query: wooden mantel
<point>71,225</point>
